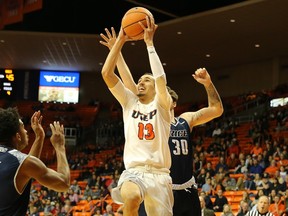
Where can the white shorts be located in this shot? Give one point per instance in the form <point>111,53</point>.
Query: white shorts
<point>155,187</point>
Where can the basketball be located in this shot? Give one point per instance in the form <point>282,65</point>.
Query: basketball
<point>131,19</point>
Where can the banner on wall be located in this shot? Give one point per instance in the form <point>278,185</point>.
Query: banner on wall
<point>32,5</point>
<point>1,14</point>
<point>13,11</point>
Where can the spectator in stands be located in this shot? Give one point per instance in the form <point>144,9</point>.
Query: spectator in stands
<point>234,148</point>
<point>257,149</point>
<point>266,185</point>
<point>214,147</point>
<point>92,179</point>
<point>87,192</point>
<point>261,160</point>
<point>220,201</point>
<point>109,211</point>
<point>96,192</point>
<point>207,199</point>
<point>209,169</point>
<point>246,198</point>
<point>272,168</point>
<point>76,187</point>
<point>222,164</point>
<point>232,161</point>
<point>241,168</point>
<point>197,164</point>
<point>219,176</point>
<point>275,185</point>
<point>282,172</point>
<point>229,183</point>
<point>283,159</point>
<point>207,187</point>
<point>277,207</point>
<point>73,196</point>
<point>255,168</point>
<point>243,208</point>
<point>34,211</point>
<point>205,211</point>
<point>252,182</point>
<point>66,210</point>
<point>227,211</point>
<point>217,130</point>
<point>97,212</point>
<point>201,178</point>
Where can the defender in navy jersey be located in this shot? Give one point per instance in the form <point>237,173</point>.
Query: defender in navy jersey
<point>18,169</point>
<point>186,198</point>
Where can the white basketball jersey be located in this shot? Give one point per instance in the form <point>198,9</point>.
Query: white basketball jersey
<point>146,132</point>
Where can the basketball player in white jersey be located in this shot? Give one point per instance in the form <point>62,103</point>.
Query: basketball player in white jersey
<point>147,120</point>
<point>186,201</point>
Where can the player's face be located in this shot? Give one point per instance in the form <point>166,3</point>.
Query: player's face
<point>146,85</point>
<point>23,140</point>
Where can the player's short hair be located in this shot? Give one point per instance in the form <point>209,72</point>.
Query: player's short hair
<point>10,125</point>
<point>173,94</point>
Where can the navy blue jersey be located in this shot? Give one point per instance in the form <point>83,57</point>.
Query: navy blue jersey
<point>12,202</point>
<point>181,151</point>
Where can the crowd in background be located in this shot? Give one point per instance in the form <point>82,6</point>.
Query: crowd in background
<point>264,168</point>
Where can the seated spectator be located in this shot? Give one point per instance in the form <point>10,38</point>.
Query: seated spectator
<point>219,176</point>
<point>227,211</point>
<point>75,187</point>
<point>246,198</point>
<point>97,212</point>
<point>253,182</point>
<point>66,210</point>
<point>243,208</point>
<point>210,169</point>
<point>207,187</point>
<point>232,161</point>
<point>205,211</point>
<point>275,185</point>
<point>207,199</point>
<point>73,196</point>
<point>220,201</point>
<point>234,148</point>
<point>109,211</point>
<point>255,167</point>
<point>217,131</point>
<point>257,149</point>
<point>229,183</point>
<point>277,207</point>
<point>87,192</point>
<point>266,185</point>
<point>222,164</point>
<point>241,168</point>
<point>282,172</point>
<point>201,178</point>
<point>272,168</point>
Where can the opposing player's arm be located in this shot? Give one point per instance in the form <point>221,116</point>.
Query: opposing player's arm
<point>123,69</point>
<point>108,69</point>
<point>34,168</point>
<point>215,106</point>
